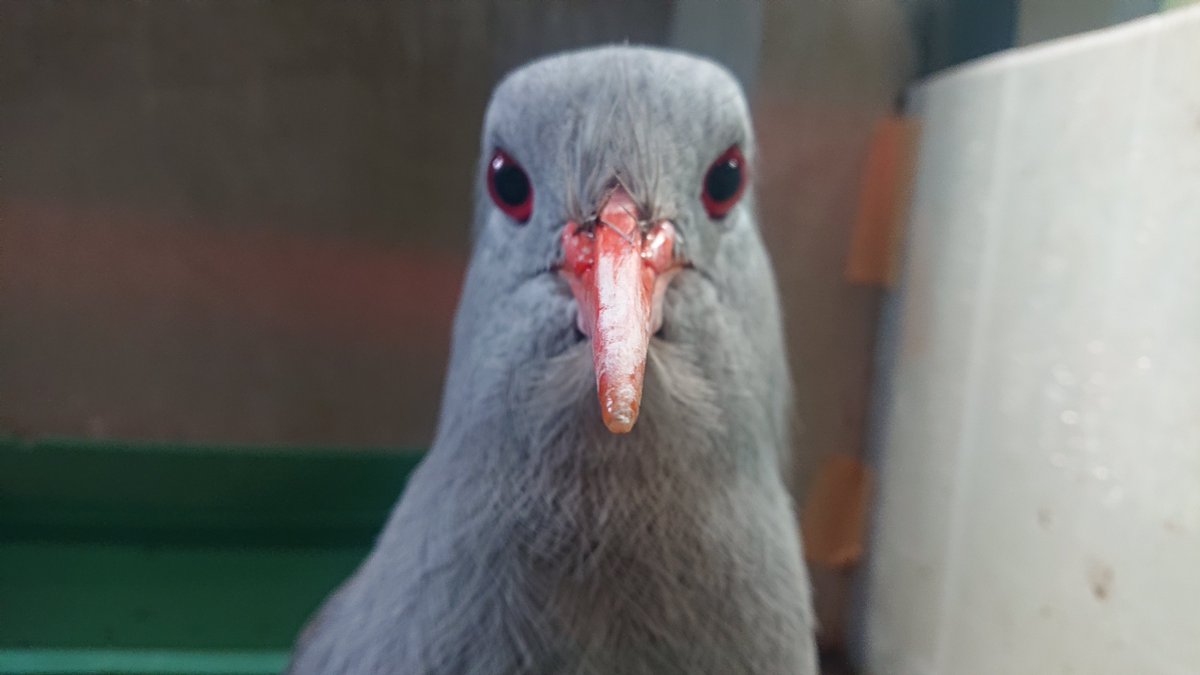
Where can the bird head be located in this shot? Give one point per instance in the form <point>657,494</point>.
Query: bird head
<point>613,195</point>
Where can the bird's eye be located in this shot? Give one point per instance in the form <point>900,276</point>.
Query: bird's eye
<point>724,182</point>
<point>509,187</point>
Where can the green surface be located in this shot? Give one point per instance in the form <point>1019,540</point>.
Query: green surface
<point>130,597</point>
<point>141,558</point>
<point>163,662</point>
<point>63,490</point>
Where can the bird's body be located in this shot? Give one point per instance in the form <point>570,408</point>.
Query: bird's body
<point>542,535</point>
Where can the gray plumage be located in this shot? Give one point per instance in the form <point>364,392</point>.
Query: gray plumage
<point>532,540</point>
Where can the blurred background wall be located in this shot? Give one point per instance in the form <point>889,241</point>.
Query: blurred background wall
<point>247,222</point>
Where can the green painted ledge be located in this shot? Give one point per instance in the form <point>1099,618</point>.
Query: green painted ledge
<point>156,662</point>
<point>161,558</point>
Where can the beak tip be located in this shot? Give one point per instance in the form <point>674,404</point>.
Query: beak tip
<point>620,406</point>
<point>621,423</point>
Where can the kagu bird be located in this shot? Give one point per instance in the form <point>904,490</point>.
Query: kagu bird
<point>604,493</point>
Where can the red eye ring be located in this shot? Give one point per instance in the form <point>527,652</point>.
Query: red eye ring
<point>724,183</point>
<point>509,187</point>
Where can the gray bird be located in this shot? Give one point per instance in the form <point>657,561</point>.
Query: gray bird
<point>604,495</point>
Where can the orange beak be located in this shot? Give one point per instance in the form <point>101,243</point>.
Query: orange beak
<point>619,274</point>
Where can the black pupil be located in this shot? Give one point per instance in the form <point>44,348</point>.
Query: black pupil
<point>724,180</point>
<point>511,185</point>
